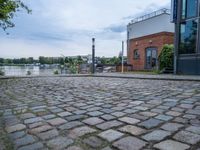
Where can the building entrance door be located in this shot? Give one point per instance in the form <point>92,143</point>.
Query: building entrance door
<point>151,58</point>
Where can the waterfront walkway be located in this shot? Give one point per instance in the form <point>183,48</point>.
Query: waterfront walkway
<point>99,113</point>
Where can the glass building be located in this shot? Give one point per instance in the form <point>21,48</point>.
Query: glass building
<point>187,38</point>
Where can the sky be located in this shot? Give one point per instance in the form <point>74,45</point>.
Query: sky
<point>66,27</point>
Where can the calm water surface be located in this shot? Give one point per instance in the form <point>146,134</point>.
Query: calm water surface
<point>22,70</point>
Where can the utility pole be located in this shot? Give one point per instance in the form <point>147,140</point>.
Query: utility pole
<point>93,55</point>
<point>122,56</point>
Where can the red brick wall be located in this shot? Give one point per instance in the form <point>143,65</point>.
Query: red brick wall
<point>158,41</point>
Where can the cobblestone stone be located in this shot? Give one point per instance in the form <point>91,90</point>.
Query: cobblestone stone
<point>129,143</point>
<point>56,121</point>
<point>62,112</point>
<point>15,128</point>
<point>111,135</point>
<point>129,120</point>
<point>93,142</point>
<point>48,134</point>
<point>156,135</point>
<point>80,131</point>
<point>151,123</point>
<point>74,148</point>
<point>33,120</point>
<point>93,121</point>
<point>28,139</point>
<point>172,127</point>
<point>109,124</point>
<point>171,145</point>
<point>59,143</point>
<point>40,129</point>
<point>132,130</point>
<point>70,125</point>
<point>187,137</point>
<point>35,146</point>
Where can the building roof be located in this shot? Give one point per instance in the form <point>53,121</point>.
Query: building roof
<point>151,15</point>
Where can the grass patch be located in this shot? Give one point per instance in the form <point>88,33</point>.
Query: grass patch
<point>5,142</point>
<point>145,72</point>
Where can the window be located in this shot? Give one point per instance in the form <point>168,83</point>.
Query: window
<point>189,8</point>
<point>188,37</point>
<point>188,27</point>
<point>136,54</point>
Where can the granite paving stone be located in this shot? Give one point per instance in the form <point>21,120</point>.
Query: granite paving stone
<point>28,139</point>
<point>129,143</point>
<point>164,117</point>
<point>35,146</point>
<point>33,120</point>
<point>64,114</point>
<point>57,121</point>
<point>129,120</point>
<point>59,143</point>
<point>171,145</point>
<point>93,121</point>
<point>156,135</point>
<point>93,141</point>
<point>109,124</point>
<point>134,130</point>
<point>80,131</point>
<point>194,129</point>
<point>111,135</point>
<point>70,125</point>
<point>16,135</point>
<point>187,137</point>
<point>15,128</point>
<point>48,134</point>
<point>107,148</point>
<point>74,148</point>
<point>40,129</point>
<point>108,117</point>
<point>151,123</point>
<point>171,127</point>
<point>93,113</point>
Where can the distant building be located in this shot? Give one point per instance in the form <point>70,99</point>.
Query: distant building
<point>187,45</point>
<point>146,37</point>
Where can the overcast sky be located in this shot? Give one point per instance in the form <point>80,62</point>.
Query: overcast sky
<point>66,27</point>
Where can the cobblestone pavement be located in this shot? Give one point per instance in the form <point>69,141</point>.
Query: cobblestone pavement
<point>85,113</point>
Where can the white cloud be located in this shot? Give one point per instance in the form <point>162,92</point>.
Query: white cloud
<point>67,26</point>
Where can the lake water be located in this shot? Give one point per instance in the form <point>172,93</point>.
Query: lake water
<point>22,70</point>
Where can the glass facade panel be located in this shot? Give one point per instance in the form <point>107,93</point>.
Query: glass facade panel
<point>189,8</point>
<point>188,37</point>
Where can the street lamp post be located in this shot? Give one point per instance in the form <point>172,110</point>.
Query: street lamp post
<point>93,55</point>
<point>122,56</point>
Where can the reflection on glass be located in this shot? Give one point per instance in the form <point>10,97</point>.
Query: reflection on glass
<point>189,8</point>
<point>188,36</point>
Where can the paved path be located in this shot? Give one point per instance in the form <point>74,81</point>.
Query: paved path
<point>86,113</point>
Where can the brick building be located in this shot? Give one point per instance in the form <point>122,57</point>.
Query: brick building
<point>146,37</point>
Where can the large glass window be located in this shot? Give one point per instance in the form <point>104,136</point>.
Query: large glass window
<point>188,37</point>
<point>189,8</point>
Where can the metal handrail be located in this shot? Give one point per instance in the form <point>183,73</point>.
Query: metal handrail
<point>153,14</point>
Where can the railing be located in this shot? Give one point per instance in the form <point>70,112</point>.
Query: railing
<point>153,14</point>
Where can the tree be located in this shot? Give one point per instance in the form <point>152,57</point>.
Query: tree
<point>8,8</point>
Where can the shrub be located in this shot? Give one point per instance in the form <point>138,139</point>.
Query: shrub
<point>56,72</point>
<point>28,73</point>
<point>166,57</point>
<point>2,73</point>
